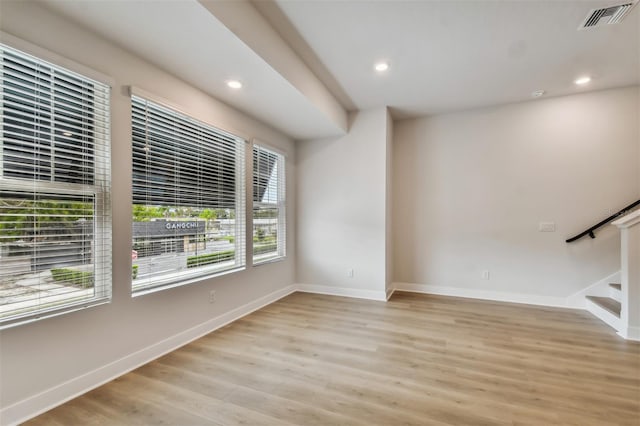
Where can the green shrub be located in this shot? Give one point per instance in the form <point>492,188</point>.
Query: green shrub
<point>229,238</point>
<point>271,239</point>
<point>80,279</point>
<point>72,277</point>
<point>210,258</point>
<point>264,248</point>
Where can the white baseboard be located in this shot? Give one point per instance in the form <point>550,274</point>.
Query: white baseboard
<point>630,333</point>
<point>343,291</point>
<point>390,292</point>
<point>599,288</point>
<point>529,299</point>
<point>44,401</point>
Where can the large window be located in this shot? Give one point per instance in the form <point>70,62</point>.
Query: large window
<point>55,224</point>
<point>188,198</point>
<point>269,226</point>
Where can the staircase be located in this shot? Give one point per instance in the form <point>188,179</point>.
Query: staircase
<point>618,304</point>
<point>607,308</point>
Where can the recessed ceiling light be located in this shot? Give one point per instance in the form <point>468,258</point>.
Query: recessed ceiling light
<point>582,80</point>
<point>381,66</point>
<point>67,134</point>
<point>234,84</point>
<point>537,93</point>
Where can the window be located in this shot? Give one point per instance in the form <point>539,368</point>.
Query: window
<point>55,224</point>
<point>188,198</point>
<point>269,226</point>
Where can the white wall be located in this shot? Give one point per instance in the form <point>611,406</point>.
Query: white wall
<point>470,189</point>
<point>389,205</point>
<point>341,206</point>
<point>47,353</point>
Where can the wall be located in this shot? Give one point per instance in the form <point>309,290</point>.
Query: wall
<point>470,189</point>
<point>389,206</point>
<point>341,209</point>
<point>40,356</point>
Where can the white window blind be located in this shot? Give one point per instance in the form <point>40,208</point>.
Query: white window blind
<point>188,198</point>
<point>55,221</point>
<point>269,207</point>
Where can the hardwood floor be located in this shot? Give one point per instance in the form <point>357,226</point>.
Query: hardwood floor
<point>415,360</point>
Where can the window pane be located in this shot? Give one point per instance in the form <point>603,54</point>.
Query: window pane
<point>48,123</point>
<point>265,176</point>
<point>265,233</point>
<point>188,198</point>
<point>269,226</point>
<point>46,250</point>
<point>55,224</point>
<point>177,158</point>
<point>168,240</point>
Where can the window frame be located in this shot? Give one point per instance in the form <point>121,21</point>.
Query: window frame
<point>99,190</point>
<point>281,204</point>
<point>185,277</point>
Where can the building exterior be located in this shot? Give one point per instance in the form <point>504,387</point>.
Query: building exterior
<point>168,236</point>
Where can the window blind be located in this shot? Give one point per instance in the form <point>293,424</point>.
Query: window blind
<point>55,222</point>
<point>269,207</point>
<point>188,197</point>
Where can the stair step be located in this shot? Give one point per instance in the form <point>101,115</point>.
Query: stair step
<point>607,303</point>
<point>615,292</point>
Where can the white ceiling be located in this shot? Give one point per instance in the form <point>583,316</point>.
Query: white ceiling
<point>445,55</point>
<point>452,55</point>
<point>186,40</point>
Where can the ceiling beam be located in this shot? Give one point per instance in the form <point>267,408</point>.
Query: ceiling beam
<point>244,20</point>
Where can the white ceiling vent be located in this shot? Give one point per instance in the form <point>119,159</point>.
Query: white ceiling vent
<point>607,15</point>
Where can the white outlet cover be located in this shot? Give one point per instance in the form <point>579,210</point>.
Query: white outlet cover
<point>547,227</point>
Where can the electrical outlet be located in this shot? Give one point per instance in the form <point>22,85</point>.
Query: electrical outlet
<point>350,273</point>
<point>212,296</point>
<point>485,275</point>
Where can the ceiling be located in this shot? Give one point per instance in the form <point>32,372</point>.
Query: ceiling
<point>443,55</point>
<point>452,55</point>
<point>185,39</point>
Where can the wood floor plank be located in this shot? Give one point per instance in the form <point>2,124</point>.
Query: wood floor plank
<point>415,360</point>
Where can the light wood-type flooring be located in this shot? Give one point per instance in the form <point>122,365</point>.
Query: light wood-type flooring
<point>415,360</point>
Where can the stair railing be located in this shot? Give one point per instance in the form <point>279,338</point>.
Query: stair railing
<point>589,231</point>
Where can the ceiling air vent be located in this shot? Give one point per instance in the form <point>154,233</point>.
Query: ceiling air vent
<point>607,15</point>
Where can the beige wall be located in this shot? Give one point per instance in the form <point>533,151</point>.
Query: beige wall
<point>44,354</point>
<point>341,206</point>
<point>389,205</point>
<point>470,189</point>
